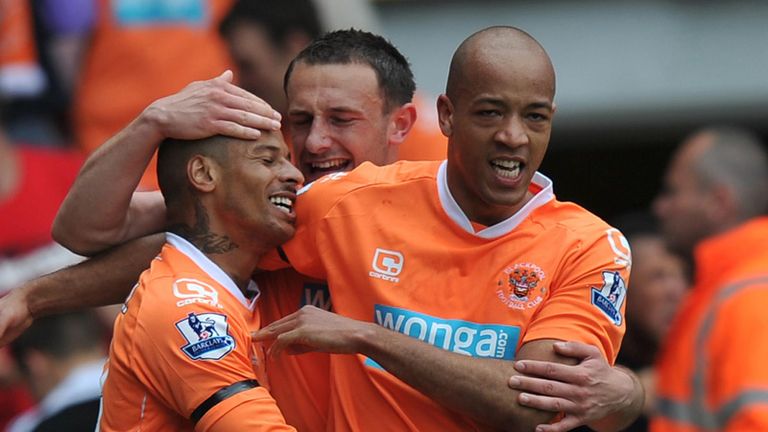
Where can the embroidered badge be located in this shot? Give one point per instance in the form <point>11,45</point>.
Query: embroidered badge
<point>521,286</point>
<point>610,296</point>
<point>207,336</point>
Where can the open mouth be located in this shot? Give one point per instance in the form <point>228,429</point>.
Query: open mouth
<point>330,166</point>
<point>283,203</point>
<point>506,168</point>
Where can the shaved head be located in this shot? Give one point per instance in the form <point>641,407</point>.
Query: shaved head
<point>173,156</point>
<point>493,45</point>
<point>737,159</point>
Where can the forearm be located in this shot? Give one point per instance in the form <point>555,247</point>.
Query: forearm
<point>633,406</point>
<point>97,211</point>
<point>472,386</point>
<point>103,280</point>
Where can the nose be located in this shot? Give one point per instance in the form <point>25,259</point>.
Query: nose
<point>290,174</point>
<point>513,132</point>
<point>318,139</point>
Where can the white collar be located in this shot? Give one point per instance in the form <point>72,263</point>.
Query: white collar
<point>456,214</point>
<point>212,269</point>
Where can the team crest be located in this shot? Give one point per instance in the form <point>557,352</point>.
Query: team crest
<point>520,286</point>
<point>207,336</point>
<point>610,296</point>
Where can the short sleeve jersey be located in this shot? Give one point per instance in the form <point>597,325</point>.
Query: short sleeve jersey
<point>183,335</point>
<point>397,250</point>
<point>299,383</point>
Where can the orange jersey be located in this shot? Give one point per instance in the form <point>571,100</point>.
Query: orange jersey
<point>183,336</point>
<point>397,250</point>
<point>299,383</point>
<point>141,51</point>
<point>711,372</point>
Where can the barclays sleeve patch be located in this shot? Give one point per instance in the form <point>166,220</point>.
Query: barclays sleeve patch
<point>610,296</point>
<point>207,336</point>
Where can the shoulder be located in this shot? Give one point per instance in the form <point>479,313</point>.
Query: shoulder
<point>573,220</point>
<point>322,195</point>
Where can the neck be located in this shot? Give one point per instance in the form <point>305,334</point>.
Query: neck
<point>235,257</point>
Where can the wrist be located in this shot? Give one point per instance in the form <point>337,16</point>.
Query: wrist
<point>26,299</point>
<point>370,339</point>
<point>152,122</point>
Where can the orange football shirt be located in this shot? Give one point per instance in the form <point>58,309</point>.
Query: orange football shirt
<point>182,336</point>
<point>397,250</point>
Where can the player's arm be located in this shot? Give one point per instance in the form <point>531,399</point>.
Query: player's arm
<point>102,209</point>
<point>102,280</point>
<point>590,392</point>
<point>472,386</point>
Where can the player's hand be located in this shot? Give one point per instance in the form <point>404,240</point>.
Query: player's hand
<point>212,107</point>
<point>586,392</point>
<point>15,316</point>
<point>313,329</point>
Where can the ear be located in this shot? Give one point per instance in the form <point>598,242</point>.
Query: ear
<point>445,114</point>
<point>203,173</point>
<point>402,120</point>
<point>723,206</point>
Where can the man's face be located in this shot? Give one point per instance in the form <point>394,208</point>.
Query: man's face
<point>498,127</point>
<point>260,64</point>
<point>336,118</point>
<point>683,207</point>
<point>259,188</point>
<point>657,286</point>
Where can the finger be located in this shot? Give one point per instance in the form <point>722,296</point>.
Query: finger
<point>542,386</point>
<point>247,118</point>
<point>275,329</point>
<point>235,130</point>
<point>227,76</point>
<point>284,342</point>
<point>549,370</point>
<point>253,102</point>
<point>566,424</point>
<point>578,350</point>
<point>546,403</point>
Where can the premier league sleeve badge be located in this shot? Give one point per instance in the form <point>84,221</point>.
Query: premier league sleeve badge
<point>207,336</point>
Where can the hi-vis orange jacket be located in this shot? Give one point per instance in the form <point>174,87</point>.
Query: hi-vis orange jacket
<point>713,369</point>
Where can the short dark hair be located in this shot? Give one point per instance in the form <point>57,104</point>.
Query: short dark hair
<point>279,18</point>
<point>356,46</point>
<point>60,336</point>
<point>172,157</point>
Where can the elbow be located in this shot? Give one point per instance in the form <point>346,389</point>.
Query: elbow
<point>74,239</point>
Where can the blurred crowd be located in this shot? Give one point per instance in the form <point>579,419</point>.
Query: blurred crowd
<point>74,72</point>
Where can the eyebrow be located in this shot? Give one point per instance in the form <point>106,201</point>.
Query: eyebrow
<point>498,102</point>
<point>336,110</point>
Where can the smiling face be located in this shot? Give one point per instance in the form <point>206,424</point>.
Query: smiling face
<point>336,118</point>
<point>498,116</point>
<point>258,189</point>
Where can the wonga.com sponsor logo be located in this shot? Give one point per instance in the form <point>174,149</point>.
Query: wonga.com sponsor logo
<point>387,264</point>
<point>462,337</point>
